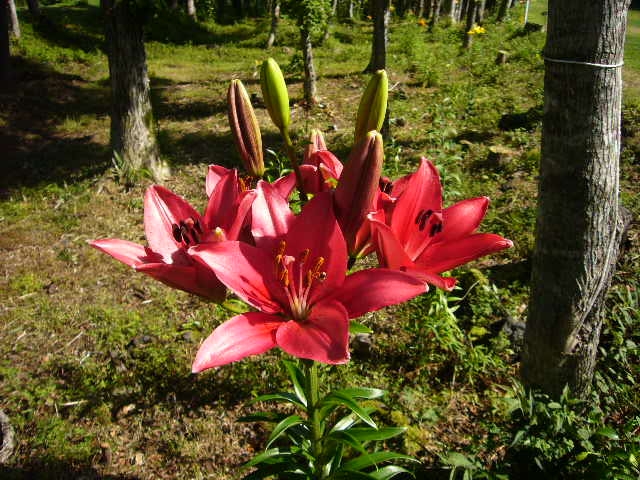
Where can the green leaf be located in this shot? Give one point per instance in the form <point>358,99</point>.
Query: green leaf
<point>236,306</point>
<point>345,437</point>
<point>357,327</point>
<point>368,393</point>
<point>349,420</point>
<point>343,399</point>
<point>351,475</point>
<point>283,396</point>
<point>389,471</point>
<point>298,380</point>
<point>271,455</point>
<point>608,432</point>
<point>458,460</point>
<point>283,426</point>
<point>374,434</point>
<point>369,459</point>
<point>283,470</point>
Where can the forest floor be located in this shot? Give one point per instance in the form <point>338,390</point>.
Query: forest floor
<point>95,360</point>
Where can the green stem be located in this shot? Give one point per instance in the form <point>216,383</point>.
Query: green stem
<point>313,396</point>
<point>291,153</point>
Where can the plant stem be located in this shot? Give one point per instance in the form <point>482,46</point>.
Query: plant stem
<point>291,153</point>
<point>313,396</point>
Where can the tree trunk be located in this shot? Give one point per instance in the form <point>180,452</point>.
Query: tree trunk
<point>435,14</point>
<point>350,9</point>
<point>482,5</point>
<point>5,53</point>
<point>34,8</point>
<point>13,19</point>
<point>471,17</point>
<point>381,15</point>
<point>275,19</point>
<point>578,224</point>
<point>132,124</point>
<point>309,70</point>
<point>191,10</point>
<point>502,11</point>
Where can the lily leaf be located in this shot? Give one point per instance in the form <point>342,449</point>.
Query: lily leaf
<point>297,378</point>
<point>389,471</point>
<point>283,396</point>
<point>357,327</point>
<point>283,426</point>
<point>272,455</point>
<point>345,437</point>
<point>349,420</point>
<point>369,459</point>
<point>374,434</point>
<point>361,392</point>
<point>340,397</point>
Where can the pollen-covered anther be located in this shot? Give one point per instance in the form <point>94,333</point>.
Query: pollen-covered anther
<point>188,231</point>
<point>422,217</point>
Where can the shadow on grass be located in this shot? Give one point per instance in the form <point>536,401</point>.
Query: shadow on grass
<point>34,108</point>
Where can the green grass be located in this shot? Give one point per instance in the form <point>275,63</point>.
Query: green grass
<point>94,357</point>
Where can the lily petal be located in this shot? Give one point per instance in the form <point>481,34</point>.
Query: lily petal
<point>251,333</point>
<point>162,210</point>
<point>271,217</point>
<point>390,252</point>
<point>317,216</point>
<point>462,218</point>
<point>285,185</point>
<point>129,253</point>
<point>245,269</point>
<point>193,279</point>
<point>324,337</point>
<point>214,174</point>
<point>371,289</point>
<point>223,201</point>
<point>444,256</point>
<point>422,192</point>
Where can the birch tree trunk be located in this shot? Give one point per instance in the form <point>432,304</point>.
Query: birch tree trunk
<point>435,15</point>
<point>578,223</point>
<point>471,17</point>
<point>13,19</point>
<point>381,16</point>
<point>310,89</point>
<point>191,10</point>
<point>5,54</point>
<point>132,124</point>
<point>275,19</point>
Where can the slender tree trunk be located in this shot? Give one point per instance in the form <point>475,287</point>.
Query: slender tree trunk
<point>350,9</point>
<point>5,54</point>
<point>482,5</point>
<point>579,223</point>
<point>502,11</point>
<point>191,10</point>
<point>381,17</point>
<point>471,16</point>
<point>34,8</point>
<point>435,14</point>
<point>13,19</point>
<point>275,19</point>
<point>132,124</point>
<point>309,70</point>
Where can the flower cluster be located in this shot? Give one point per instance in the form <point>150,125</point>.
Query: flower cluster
<point>477,30</point>
<point>294,269</point>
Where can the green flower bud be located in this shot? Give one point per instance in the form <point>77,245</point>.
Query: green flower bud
<point>274,91</point>
<point>373,105</point>
<point>245,129</point>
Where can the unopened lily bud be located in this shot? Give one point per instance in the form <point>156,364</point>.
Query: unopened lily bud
<point>355,194</point>
<point>245,129</point>
<point>274,91</point>
<point>373,105</point>
<point>316,143</point>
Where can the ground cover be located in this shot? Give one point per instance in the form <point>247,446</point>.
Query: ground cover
<point>95,361</point>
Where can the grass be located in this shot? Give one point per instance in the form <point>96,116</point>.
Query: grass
<point>95,361</point>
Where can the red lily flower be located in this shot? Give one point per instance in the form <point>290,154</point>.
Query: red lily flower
<point>300,287</point>
<point>418,236</point>
<point>172,225</point>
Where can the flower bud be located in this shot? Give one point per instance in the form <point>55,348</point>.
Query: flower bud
<point>245,129</point>
<point>316,143</point>
<point>356,192</point>
<point>274,91</point>
<point>373,105</point>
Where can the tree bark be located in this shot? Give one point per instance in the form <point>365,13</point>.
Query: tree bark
<point>471,17</point>
<point>578,224</point>
<point>13,19</point>
<point>381,16</point>
<point>132,124</point>
<point>309,69</point>
<point>502,11</point>
<point>191,10</point>
<point>34,8</point>
<point>435,15</point>
<point>5,53</point>
<point>275,19</point>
